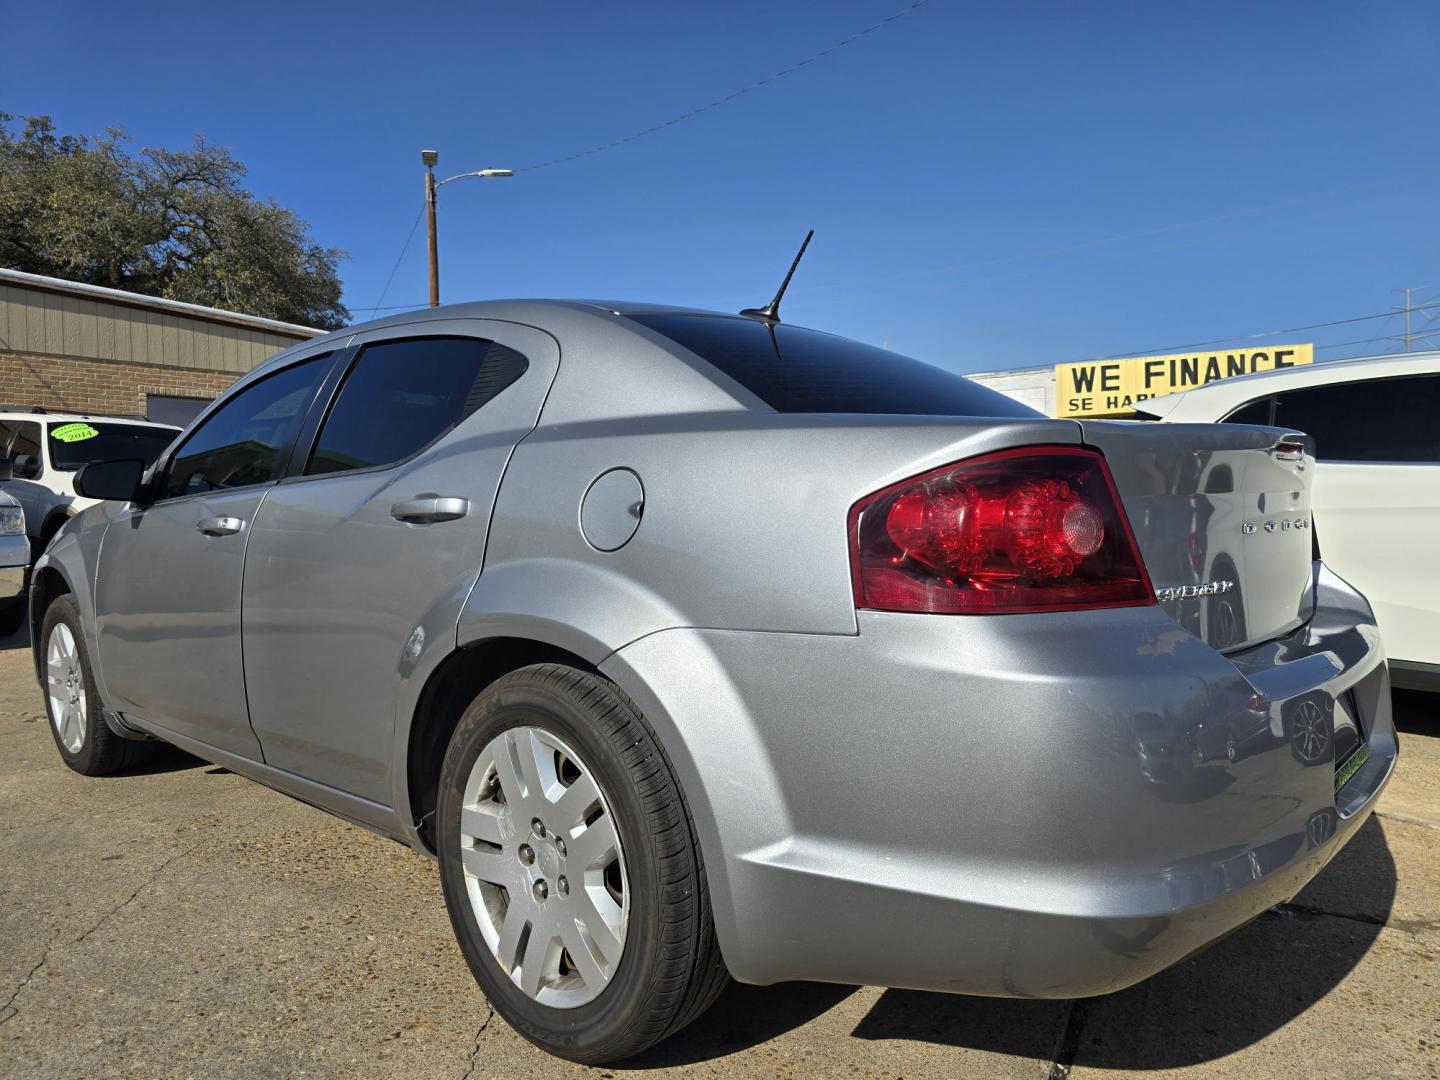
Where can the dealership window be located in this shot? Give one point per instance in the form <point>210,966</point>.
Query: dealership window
<point>1374,420</point>
<point>400,396</point>
<point>20,442</point>
<point>179,411</point>
<point>241,442</point>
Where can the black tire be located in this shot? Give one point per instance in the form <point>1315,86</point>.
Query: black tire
<point>12,616</point>
<point>101,751</point>
<point>670,970</point>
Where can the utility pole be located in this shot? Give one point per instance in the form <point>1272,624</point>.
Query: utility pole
<point>430,157</point>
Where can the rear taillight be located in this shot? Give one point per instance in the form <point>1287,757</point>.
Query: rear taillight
<point>1034,529</point>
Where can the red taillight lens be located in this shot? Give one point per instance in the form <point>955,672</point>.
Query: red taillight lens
<point>1036,529</point>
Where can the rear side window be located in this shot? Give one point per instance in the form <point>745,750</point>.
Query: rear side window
<point>1379,420</point>
<point>242,441</point>
<point>794,370</point>
<point>1257,412</point>
<point>400,396</point>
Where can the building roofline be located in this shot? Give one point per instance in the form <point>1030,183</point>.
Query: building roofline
<point>41,283</point>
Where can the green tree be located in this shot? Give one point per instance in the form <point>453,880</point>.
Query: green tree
<point>171,223</point>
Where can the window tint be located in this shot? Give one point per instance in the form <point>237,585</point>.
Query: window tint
<point>796,370</point>
<point>76,444</point>
<point>20,442</point>
<point>241,443</point>
<point>400,396</point>
<point>1257,412</point>
<point>1379,420</point>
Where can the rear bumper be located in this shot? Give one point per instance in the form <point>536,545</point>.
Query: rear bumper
<point>1015,805</point>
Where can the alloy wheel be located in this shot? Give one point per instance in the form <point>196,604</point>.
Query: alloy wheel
<point>65,686</point>
<point>544,868</point>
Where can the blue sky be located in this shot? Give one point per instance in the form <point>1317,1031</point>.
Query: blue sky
<point>992,185</point>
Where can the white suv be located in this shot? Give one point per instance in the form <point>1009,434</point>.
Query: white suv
<point>46,449</point>
<point>1376,495</point>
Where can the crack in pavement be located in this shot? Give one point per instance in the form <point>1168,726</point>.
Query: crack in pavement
<point>10,1010</point>
<point>1067,1043</point>
<point>1309,911</point>
<point>476,1051</point>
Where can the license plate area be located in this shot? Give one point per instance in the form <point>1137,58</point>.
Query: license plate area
<point>1350,748</point>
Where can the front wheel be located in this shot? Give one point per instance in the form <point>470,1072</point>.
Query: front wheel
<point>571,870</point>
<point>72,703</point>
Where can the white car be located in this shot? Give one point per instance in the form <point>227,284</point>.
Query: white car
<point>46,449</point>
<point>14,563</point>
<point>1376,495</point>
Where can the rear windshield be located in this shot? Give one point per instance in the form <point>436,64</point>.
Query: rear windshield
<point>804,371</point>
<point>79,442</point>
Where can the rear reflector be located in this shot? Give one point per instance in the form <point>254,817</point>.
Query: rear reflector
<point>1035,529</point>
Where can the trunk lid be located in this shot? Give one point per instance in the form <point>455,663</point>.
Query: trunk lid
<point>1222,520</point>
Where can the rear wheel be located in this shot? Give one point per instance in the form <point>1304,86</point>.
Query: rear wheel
<point>72,703</point>
<point>571,870</point>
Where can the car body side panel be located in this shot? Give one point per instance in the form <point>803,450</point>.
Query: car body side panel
<point>744,518</point>
<point>1378,524</point>
<point>1072,855</point>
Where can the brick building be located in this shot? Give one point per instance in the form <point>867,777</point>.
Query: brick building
<point>81,348</point>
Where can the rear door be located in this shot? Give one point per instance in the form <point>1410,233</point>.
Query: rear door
<point>167,585</point>
<point>360,561</point>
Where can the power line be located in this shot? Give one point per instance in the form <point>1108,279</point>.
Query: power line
<point>692,113</point>
<point>1262,334</point>
<point>398,260</point>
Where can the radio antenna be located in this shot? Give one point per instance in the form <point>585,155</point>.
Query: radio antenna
<point>770,313</point>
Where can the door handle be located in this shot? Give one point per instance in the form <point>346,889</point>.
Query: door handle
<point>429,509</point>
<point>220,526</point>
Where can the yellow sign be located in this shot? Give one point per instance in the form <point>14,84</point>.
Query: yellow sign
<point>1111,387</point>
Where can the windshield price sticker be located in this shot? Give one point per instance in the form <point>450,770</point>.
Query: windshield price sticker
<point>68,433</point>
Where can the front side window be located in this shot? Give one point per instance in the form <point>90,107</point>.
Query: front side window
<point>243,441</point>
<point>77,443</point>
<point>20,442</point>
<point>1374,420</point>
<point>400,396</point>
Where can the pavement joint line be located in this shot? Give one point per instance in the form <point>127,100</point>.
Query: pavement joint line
<point>1409,819</point>
<point>1067,1042</point>
<point>474,1053</point>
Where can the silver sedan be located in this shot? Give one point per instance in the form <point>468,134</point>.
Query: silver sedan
<point>698,646</point>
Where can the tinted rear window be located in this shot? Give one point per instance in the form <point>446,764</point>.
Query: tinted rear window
<point>804,371</point>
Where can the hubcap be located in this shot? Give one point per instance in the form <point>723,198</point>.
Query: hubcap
<point>543,867</point>
<point>65,687</point>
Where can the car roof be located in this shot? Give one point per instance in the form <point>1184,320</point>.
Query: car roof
<point>70,418</point>
<point>545,314</point>
<point>1242,388</point>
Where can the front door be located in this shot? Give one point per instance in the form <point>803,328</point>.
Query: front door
<point>358,565</point>
<point>167,593</point>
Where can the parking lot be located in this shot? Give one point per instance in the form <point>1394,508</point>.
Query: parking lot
<point>182,921</point>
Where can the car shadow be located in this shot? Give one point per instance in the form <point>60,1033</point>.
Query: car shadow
<point>18,640</point>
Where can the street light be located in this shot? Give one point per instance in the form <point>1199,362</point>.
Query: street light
<point>430,158</point>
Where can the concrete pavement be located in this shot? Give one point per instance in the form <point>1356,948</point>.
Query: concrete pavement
<point>183,922</point>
